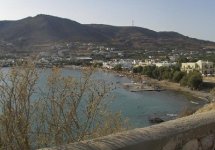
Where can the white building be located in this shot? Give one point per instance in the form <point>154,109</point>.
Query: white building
<point>188,67</point>
<point>165,64</point>
<point>126,63</point>
<point>157,64</point>
<point>147,62</point>
<point>205,67</point>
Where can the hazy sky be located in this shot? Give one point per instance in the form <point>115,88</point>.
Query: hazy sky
<point>195,18</point>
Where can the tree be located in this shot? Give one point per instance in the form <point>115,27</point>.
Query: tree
<point>156,73</point>
<point>184,81</point>
<point>67,110</point>
<point>182,60</point>
<point>147,70</point>
<point>118,67</point>
<point>194,80</point>
<point>166,75</point>
<point>177,76</point>
<point>137,69</point>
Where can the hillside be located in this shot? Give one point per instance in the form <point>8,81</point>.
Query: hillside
<point>43,29</point>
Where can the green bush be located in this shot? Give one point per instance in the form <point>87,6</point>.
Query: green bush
<point>137,69</point>
<point>184,81</point>
<point>147,70</point>
<point>97,64</point>
<point>194,80</point>
<point>160,73</point>
<point>118,67</point>
<point>177,76</point>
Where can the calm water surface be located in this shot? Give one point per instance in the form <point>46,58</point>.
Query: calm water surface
<point>138,107</point>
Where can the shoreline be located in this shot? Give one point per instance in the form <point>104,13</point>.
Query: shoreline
<point>167,85</point>
<point>164,84</point>
<point>200,94</point>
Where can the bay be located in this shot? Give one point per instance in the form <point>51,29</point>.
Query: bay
<point>137,107</point>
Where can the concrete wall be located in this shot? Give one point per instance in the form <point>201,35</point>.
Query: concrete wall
<point>196,132</point>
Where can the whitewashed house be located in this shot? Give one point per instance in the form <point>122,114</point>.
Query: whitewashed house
<point>204,67</point>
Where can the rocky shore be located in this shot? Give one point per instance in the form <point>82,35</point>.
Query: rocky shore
<point>164,84</point>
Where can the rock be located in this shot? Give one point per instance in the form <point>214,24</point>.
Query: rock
<point>191,145</point>
<point>156,120</point>
<point>207,142</point>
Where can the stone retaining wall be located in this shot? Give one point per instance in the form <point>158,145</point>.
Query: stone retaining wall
<point>196,132</point>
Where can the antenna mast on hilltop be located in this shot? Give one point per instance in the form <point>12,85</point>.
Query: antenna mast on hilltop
<point>132,23</point>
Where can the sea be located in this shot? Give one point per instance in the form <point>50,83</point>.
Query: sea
<point>136,107</point>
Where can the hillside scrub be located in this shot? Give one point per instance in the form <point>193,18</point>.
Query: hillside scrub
<point>67,110</point>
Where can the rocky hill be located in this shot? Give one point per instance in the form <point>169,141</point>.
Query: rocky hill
<point>43,29</point>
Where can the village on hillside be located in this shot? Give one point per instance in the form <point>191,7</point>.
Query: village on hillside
<point>80,54</point>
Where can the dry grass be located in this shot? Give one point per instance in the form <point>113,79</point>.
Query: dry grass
<point>206,108</point>
<point>210,106</point>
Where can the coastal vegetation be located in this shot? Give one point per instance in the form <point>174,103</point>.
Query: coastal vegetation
<point>66,110</point>
<point>192,79</point>
<point>118,67</point>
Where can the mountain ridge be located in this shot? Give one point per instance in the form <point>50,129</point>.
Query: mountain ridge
<point>29,31</point>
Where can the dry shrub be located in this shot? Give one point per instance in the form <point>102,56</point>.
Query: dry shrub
<point>16,90</point>
<point>67,110</point>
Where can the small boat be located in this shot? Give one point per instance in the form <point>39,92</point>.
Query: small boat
<point>172,115</point>
<point>194,102</point>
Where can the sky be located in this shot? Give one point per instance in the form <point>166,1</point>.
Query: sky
<point>194,18</point>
